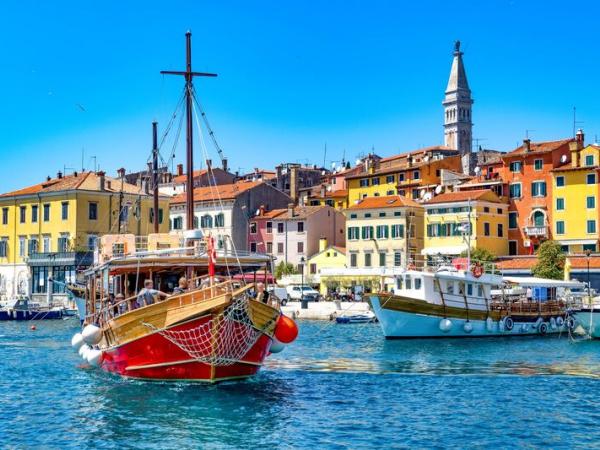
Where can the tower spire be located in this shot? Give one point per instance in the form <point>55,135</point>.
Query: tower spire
<point>458,125</point>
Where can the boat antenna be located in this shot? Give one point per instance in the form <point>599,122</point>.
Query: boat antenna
<point>155,174</point>
<point>189,87</point>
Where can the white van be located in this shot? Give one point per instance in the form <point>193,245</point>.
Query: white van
<point>296,292</point>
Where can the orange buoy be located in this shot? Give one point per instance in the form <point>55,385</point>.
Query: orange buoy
<point>33,328</point>
<point>286,330</point>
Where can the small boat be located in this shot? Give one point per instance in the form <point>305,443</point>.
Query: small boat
<point>23,309</point>
<point>588,316</point>
<point>368,317</point>
<point>459,302</point>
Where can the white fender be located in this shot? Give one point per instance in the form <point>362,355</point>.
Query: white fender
<point>83,350</point>
<point>468,327</point>
<point>276,346</point>
<point>445,325</point>
<point>91,334</point>
<point>77,341</point>
<point>94,357</point>
<point>553,323</point>
<point>489,324</point>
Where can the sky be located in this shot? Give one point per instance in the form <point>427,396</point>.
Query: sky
<point>80,82</point>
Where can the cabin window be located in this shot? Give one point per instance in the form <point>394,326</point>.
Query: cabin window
<point>461,288</point>
<point>470,290</point>
<point>400,283</point>
<point>418,283</point>
<point>450,287</point>
<point>480,290</point>
<point>408,282</point>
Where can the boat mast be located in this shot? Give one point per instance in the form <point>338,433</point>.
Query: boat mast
<point>155,174</point>
<point>189,89</point>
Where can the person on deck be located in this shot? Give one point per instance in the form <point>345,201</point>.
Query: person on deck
<point>182,287</point>
<point>261,294</point>
<point>148,295</point>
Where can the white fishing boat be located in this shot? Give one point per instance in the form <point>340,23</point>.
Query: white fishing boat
<point>450,302</point>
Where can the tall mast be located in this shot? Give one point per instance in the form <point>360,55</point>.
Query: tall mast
<point>155,174</point>
<point>189,89</point>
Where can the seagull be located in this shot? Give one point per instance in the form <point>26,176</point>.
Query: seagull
<point>80,107</point>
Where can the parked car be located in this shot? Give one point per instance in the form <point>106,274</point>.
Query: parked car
<point>296,292</point>
<point>280,293</point>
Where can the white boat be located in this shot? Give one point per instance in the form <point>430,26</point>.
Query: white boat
<point>588,317</point>
<point>449,302</point>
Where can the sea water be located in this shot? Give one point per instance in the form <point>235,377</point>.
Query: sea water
<point>337,386</point>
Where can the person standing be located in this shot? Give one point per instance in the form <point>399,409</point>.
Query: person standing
<point>148,295</point>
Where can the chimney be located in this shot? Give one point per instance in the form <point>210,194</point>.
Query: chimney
<point>59,175</point>
<point>75,174</point>
<point>574,149</point>
<point>322,243</point>
<point>225,165</point>
<point>101,180</point>
<point>48,178</point>
<point>261,210</point>
<point>121,172</point>
<point>108,185</point>
<point>294,183</point>
<point>290,210</point>
<point>409,160</point>
<point>209,164</point>
<point>579,138</point>
<point>179,170</point>
<point>527,145</point>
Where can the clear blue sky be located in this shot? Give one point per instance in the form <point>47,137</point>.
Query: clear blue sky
<point>292,77</point>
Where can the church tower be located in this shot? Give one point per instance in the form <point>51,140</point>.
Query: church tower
<point>458,125</point>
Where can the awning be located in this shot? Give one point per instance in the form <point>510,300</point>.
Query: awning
<point>449,250</point>
<point>543,282</point>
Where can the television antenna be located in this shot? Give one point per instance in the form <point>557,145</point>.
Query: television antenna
<point>575,121</point>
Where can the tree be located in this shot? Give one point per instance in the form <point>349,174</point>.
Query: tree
<point>551,261</point>
<point>284,269</point>
<point>480,254</point>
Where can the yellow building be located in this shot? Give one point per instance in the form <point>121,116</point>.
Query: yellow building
<point>447,217</point>
<point>51,229</point>
<point>328,257</point>
<point>575,200</point>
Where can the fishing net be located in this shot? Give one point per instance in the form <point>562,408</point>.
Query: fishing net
<point>221,341</point>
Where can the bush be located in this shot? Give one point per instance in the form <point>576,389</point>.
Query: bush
<point>551,261</point>
<point>284,269</point>
<point>480,254</point>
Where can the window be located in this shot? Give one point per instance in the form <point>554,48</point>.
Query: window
<point>47,212</point>
<point>23,212</point>
<point>300,247</point>
<point>65,210</point>
<point>353,259</point>
<point>390,179</point>
<point>499,210</point>
<point>408,282</point>
<point>560,204</point>
<point>515,166</point>
<point>269,247</point>
<point>364,182</point>
<point>418,283</point>
<point>93,212</point>
<point>177,223</point>
<point>32,248</point>
<point>590,247</point>
<point>590,178</point>
<point>63,243</point>
<point>47,244</point>
<point>486,228</point>
<point>415,194</point>
<point>3,248</point>
<point>591,226</point>
<point>589,160</point>
<point>560,227</point>
<point>253,247</point>
<point>312,268</point>
<point>479,290</point>
<point>450,287</point>
<point>4,216</point>
<point>397,258</point>
<point>280,227</point>
<point>512,220</point>
<point>382,258</point>
<point>538,189</point>
<point>252,227</point>
<point>269,227</point>
<point>219,219</point>
<point>416,174</point>
<point>92,241</point>
<point>382,214</point>
<point>280,248</point>
<point>368,259</point>
<point>22,246</point>
<point>538,164</point>
<point>486,209</point>
<point>367,233</point>
<point>353,216</point>
<point>34,213</point>
<point>500,230</point>
<point>401,178</point>
<point>206,221</point>
<point>560,181</point>
<point>590,202</point>
<point>515,190</point>
<point>300,227</point>
<point>353,233</point>
<point>398,231</point>
<point>382,231</point>
<point>375,181</point>
<point>390,192</point>
<point>397,214</point>
<point>512,248</point>
<point>470,289</point>
<point>367,215</point>
<point>123,216</point>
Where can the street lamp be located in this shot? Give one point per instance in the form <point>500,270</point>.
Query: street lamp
<point>588,253</point>
<point>303,303</point>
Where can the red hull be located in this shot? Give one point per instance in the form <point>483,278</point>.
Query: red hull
<point>153,357</point>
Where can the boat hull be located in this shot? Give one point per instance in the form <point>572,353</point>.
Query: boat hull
<point>19,314</point>
<point>403,324</point>
<point>589,319</point>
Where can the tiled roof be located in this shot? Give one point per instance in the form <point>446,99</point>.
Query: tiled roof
<point>86,181</point>
<point>214,193</point>
<point>388,201</point>
<point>463,196</point>
<point>442,148</point>
<point>391,169</point>
<point>300,212</point>
<point>523,263</point>
<point>580,262</point>
<point>568,168</point>
<point>538,147</point>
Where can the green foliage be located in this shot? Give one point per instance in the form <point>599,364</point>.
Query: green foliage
<point>480,254</point>
<point>284,269</point>
<point>551,261</point>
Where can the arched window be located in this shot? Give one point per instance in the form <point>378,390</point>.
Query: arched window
<point>206,221</point>
<point>538,218</point>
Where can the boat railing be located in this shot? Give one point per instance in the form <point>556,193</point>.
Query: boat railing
<point>436,263</point>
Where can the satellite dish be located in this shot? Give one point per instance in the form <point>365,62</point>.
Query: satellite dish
<point>323,172</point>
<point>439,189</point>
<point>328,188</point>
<point>428,196</point>
<point>477,170</point>
<point>253,178</point>
<point>258,212</point>
<point>426,158</point>
<point>358,162</point>
<point>563,159</point>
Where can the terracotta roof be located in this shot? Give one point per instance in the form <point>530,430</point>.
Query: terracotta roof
<point>463,196</point>
<point>300,212</point>
<point>442,148</point>
<point>523,263</point>
<point>270,214</point>
<point>398,168</point>
<point>568,168</point>
<point>388,201</point>
<point>222,191</point>
<point>539,147</point>
<point>580,262</point>
<point>337,194</point>
<point>86,181</point>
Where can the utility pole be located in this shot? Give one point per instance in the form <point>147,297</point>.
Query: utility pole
<point>155,174</point>
<point>189,89</point>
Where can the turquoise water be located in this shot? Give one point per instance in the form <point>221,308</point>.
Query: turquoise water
<point>338,386</point>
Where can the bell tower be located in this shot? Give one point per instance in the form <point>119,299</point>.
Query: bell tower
<point>458,125</point>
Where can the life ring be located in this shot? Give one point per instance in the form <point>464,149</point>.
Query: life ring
<point>477,270</point>
<point>570,323</point>
<point>560,321</point>
<point>543,328</point>
<point>508,323</point>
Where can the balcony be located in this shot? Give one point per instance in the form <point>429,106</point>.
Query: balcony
<point>536,231</point>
